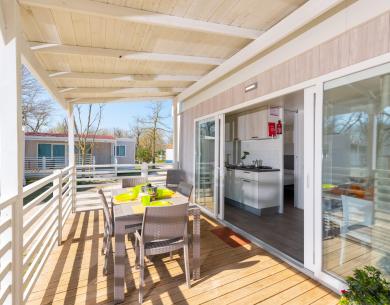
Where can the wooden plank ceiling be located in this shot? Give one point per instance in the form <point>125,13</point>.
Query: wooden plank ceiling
<point>115,49</point>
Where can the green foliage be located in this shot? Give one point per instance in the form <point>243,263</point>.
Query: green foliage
<point>367,286</point>
<point>144,154</point>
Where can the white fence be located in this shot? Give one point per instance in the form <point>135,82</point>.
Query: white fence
<point>43,166</point>
<point>47,204</point>
<point>91,177</point>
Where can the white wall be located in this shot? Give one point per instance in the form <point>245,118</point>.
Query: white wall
<point>266,150</point>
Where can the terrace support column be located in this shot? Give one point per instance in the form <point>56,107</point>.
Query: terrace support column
<point>71,155</point>
<point>175,134</point>
<point>11,145</point>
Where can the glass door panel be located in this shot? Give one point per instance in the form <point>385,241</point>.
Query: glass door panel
<point>206,161</point>
<point>356,174</point>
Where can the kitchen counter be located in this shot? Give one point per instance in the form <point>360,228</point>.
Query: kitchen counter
<point>256,190</point>
<point>253,169</point>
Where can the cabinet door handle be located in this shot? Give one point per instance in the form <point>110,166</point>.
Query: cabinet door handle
<point>255,137</point>
<point>247,172</point>
<point>244,180</point>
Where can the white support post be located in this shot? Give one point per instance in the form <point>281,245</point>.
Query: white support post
<point>11,138</point>
<point>58,192</point>
<point>144,169</point>
<point>71,155</point>
<point>175,134</point>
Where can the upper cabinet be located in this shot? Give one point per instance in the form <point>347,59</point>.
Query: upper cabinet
<point>229,128</point>
<point>247,125</point>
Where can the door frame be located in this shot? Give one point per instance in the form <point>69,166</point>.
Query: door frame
<point>219,120</point>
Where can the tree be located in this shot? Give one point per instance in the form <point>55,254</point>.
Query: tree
<point>155,126</point>
<point>121,133</point>
<point>86,133</point>
<point>136,132</point>
<point>37,106</point>
<point>61,127</point>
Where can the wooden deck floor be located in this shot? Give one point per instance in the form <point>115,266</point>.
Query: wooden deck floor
<point>242,275</point>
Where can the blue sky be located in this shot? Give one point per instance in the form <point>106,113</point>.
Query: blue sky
<point>121,115</point>
<point>115,115</point>
<point>118,115</point>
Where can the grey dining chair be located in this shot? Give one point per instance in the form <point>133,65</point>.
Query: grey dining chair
<point>174,176</point>
<point>133,181</point>
<point>108,230</point>
<point>164,229</point>
<point>185,189</point>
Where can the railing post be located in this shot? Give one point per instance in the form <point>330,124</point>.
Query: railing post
<point>74,188</point>
<point>144,169</point>
<point>58,192</point>
<point>116,166</point>
<point>43,162</point>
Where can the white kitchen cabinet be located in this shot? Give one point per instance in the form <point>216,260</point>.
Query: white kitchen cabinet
<point>252,125</point>
<point>241,133</point>
<point>232,185</point>
<point>255,190</point>
<point>250,193</point>
<point>230,127</point>
<point>229,175</point>
<point>269,189</point>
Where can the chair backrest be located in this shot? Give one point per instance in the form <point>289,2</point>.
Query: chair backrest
<point>162,223</point>
<point>106,210</point>
<point>133,181</point>
<point>357,211</point>
<point>185,189</point>
<point>174,176</point>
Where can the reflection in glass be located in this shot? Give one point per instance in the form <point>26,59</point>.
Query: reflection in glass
<point>205,164</point>
<point>356,175</point>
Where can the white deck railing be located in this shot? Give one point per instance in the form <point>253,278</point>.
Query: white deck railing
<point>47,204</point>
<point>91,177</point>
<point>37,164</point>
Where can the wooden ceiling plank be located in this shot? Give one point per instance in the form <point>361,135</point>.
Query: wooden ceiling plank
<point>35,67</point>
<point>141,16</point>
<point>104,100</point>
<point>55,48</point>
<point>122,77</point>
<point>98,90</point>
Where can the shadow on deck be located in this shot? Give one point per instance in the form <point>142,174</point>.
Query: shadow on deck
<point>242,275</point>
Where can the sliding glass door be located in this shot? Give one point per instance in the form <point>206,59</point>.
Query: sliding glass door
<point>207,164</point>
<point>356,173</point>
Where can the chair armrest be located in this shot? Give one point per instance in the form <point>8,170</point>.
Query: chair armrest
<point>138,236</point>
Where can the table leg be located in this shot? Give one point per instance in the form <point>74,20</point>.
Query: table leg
<point>196,245</point>
<point>119,263</point>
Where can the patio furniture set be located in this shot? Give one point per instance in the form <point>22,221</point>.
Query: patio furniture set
<point>158,226</point>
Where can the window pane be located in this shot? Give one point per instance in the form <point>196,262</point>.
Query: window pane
<point>44,150</point>
<point>205,164</point>
<point>58,150</point>
<point>356,175</point>
<point>120,151</point>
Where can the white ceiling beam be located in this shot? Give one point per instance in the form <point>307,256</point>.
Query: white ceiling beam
<point>35,67</point>
<point>293,22</point>
<point>105,90</point>
<point>105,100</point>
<point>123,77</point>
<point>55,48</point>
<point>128,14</point>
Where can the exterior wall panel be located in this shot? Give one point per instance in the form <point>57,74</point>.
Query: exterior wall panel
<point>363,42</point>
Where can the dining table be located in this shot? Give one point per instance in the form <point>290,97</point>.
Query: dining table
<point>127,217</point>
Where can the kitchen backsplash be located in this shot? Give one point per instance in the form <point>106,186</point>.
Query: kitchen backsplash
<point>266,150</point>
